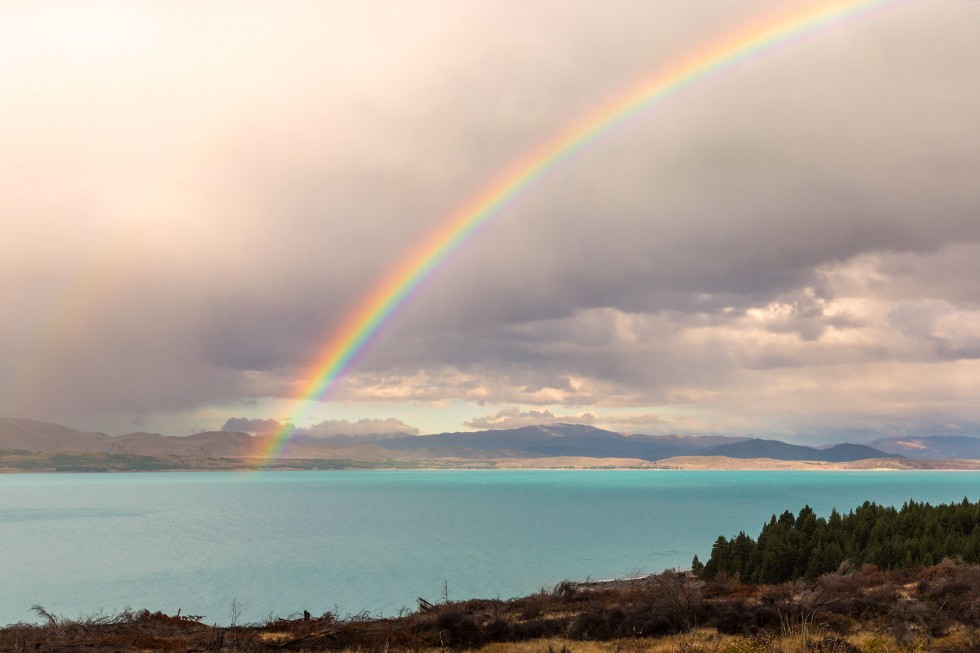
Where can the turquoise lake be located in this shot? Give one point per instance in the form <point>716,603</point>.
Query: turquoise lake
<point>281,542</point>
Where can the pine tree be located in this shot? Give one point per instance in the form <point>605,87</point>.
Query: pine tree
<point>696,565</point>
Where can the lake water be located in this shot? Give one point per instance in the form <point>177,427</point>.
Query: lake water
<point>281,542</point>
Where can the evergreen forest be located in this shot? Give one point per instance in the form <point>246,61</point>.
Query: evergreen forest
<point>806,546</point>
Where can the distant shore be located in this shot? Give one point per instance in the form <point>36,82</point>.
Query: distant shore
<point>24,462</point>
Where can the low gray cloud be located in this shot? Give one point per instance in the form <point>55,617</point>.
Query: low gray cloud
<point>325,429</point>
<point>362,427</point>
<point>646,424</point>
<point>252,426</point>
<point>513,417</point>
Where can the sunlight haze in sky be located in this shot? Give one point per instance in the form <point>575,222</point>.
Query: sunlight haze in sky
<point>194,195</point>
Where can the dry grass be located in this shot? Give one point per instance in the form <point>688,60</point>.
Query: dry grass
<point>866,611</point>
<point>708,641</point>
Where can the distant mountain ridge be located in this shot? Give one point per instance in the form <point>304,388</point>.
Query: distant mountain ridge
<point>44,437</point>
<point>778,450</point>
<point>563,440</point>
<point>551,442</point>
<point>588,441</point>
<point>32,435</point>
<point>931,447</point>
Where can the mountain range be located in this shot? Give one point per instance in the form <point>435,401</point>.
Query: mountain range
<point>591,442</point>
<point>31,444</point>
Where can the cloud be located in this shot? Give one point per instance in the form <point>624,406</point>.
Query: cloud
<point>949,332</point>
<point>513,418</point>
<point>341,427</point>
<point>822,355</point>
<point>647,424</point>
<point>252,426</point>
<point>325,429</point>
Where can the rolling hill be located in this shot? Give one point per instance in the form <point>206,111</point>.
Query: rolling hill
<point>778,450</point>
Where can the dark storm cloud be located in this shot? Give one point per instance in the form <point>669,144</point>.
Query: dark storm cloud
<point>805,209</point>
<point>254,426</point>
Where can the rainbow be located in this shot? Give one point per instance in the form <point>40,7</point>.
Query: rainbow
<point>363,324</point>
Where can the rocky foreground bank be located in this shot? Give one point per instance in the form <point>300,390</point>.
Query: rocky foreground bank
<point>863,610</point>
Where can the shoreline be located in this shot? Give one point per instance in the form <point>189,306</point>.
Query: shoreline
<point>32,465</point>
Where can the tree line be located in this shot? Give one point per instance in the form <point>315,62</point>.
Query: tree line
<point>807,546</point>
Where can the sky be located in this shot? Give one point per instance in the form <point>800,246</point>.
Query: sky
<point>195,195</point>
